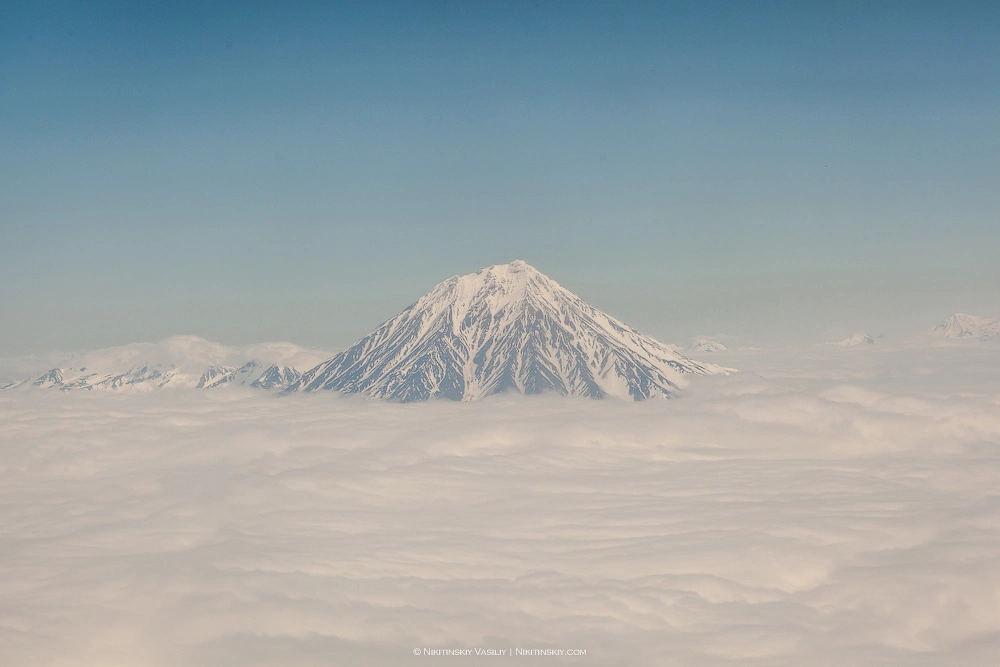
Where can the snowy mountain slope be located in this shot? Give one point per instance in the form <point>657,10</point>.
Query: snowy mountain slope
<point>962,325</point>
<point>180,361</point>
<point>504,328</point>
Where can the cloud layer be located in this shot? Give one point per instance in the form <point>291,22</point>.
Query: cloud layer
<point>836,507</point>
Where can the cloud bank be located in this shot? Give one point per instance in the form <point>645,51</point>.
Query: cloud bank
<point>826,508</point>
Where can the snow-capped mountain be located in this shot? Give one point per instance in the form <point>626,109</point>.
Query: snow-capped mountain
<point>706,345</point>
<point>961,325</point>
<point>505,328</point>
<point>855,339</point>
<point>180,361</point>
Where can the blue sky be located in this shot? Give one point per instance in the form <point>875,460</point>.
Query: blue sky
<point>774,171</point>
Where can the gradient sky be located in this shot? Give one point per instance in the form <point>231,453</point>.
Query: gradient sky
<point>774,171</point>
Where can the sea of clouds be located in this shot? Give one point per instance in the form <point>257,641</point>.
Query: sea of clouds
<point>823,507</point>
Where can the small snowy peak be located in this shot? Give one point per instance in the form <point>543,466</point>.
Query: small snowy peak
<point>252,374</point>
<point>706,345</point>
<point>276,377</point>
<point>963,325</point>
<point>52,378</point>
<point>504,328</point>
<point>855,340</point>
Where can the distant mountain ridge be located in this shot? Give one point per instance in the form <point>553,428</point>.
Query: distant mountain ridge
<point>177,362</point>
<point>504,328</point>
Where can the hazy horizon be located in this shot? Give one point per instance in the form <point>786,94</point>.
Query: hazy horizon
<point>797,332</point>
<point>768,171</point>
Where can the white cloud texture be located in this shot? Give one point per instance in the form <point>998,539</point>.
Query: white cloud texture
<point>840,507</point>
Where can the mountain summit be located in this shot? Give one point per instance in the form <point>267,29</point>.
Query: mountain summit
<point>504,328</point>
